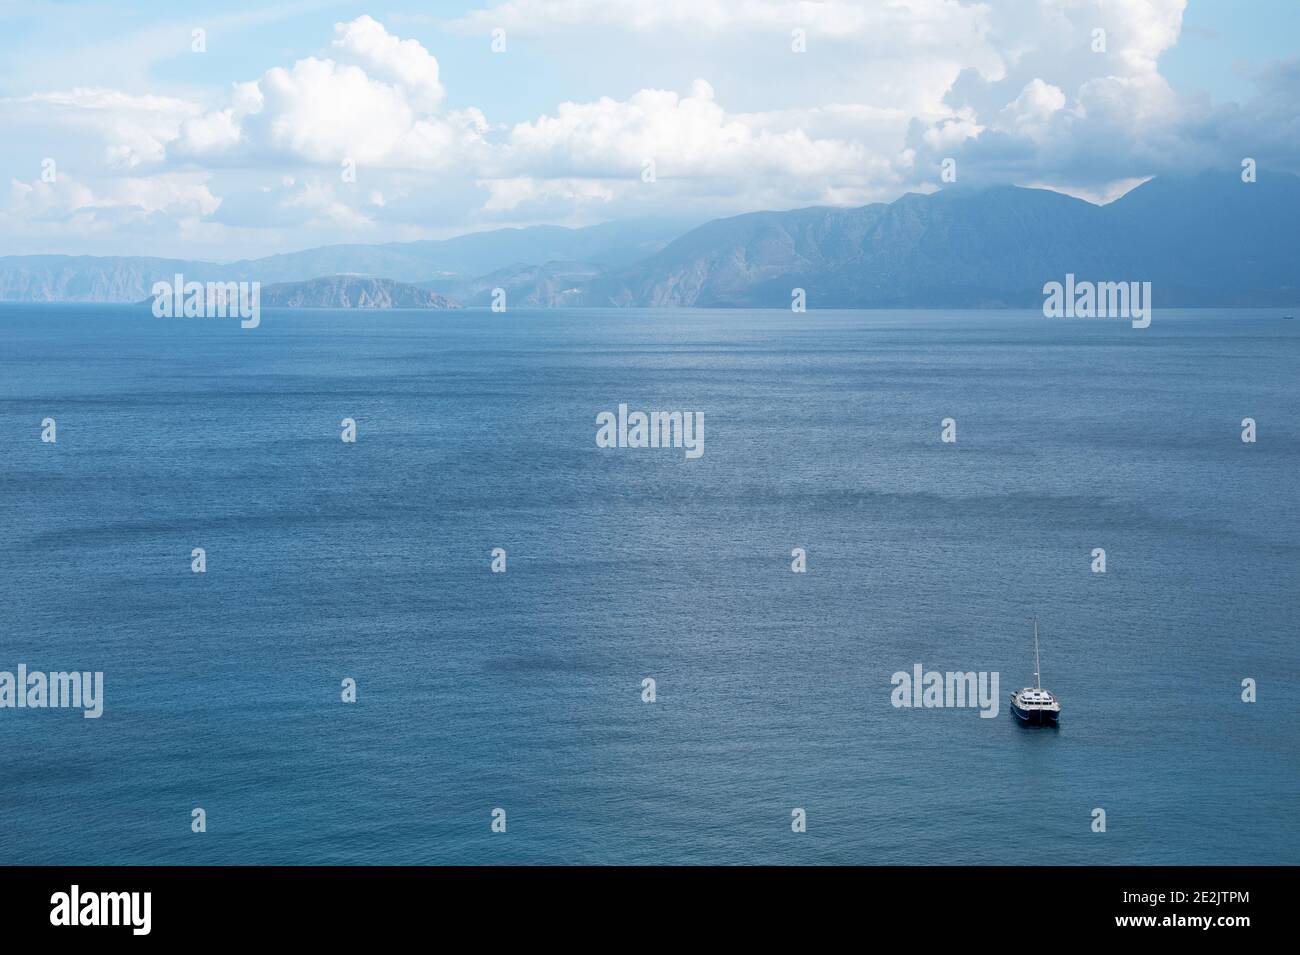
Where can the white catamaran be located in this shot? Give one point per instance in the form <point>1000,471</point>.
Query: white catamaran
<point>1033,705</point>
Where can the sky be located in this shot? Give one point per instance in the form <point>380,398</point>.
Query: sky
<point>232,130</point>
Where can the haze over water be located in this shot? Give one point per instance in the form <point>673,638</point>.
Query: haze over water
<point>523,690</point>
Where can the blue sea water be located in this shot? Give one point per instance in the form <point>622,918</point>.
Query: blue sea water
<point>523,690</point>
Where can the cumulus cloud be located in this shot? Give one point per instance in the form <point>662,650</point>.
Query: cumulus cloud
<point>1034,107</point>
<point>404,63</point>
<point>378,110</point>
<point>1013,89</point>
<point>662,147</point>
<point>686,136</point>
<point>320,201</point>
<point>117,211</point>
<point>133,130</point>
<point>1080,103</point>
<point>185,194</point>
<point>372,100</point>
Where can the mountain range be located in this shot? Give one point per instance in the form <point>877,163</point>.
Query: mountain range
<point>63,278</point>
<point>1207,239</point>
<point>351,291</point>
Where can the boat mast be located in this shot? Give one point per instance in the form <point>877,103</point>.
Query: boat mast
<point>1038,683</point>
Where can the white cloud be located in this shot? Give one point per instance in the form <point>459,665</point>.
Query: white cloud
<point>117,212</point>
<point>951,131</point>
<point>133,130</point>
<point>1082,111</point>
<point>688,138</point>
<point>404,63</point>
<point>507,195</point>
<point>1012,88</point>
<point>375,111</point>
<point>1032,111</point>
<point>372,101</point>
<point>174,193</point>
<point>322,111</point>
<point>323,206</point>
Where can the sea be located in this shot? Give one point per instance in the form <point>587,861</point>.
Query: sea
<point>369,563</point>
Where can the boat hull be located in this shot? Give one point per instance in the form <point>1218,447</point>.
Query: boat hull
<point>1036,717</point>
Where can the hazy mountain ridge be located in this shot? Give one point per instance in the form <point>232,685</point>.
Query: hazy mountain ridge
<point>549,285</point>
<point>61,278</point>
<point>1208,240</point>
<point>85,278</point>
<point>351,291</point>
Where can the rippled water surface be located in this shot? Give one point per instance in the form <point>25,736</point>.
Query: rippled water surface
<point>523,690</point>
